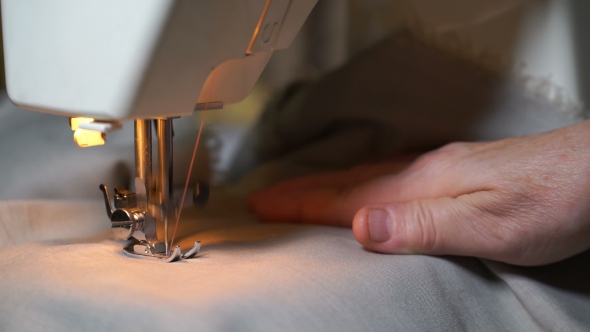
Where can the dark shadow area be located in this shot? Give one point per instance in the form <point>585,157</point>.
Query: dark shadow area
<point>580,20</point>
<point>472,265</point>
<point>572,274</point>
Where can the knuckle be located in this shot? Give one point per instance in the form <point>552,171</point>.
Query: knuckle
<point>459,148</point>
<point>427,161</point>
<point>455,147</point>
<point>422,234</point>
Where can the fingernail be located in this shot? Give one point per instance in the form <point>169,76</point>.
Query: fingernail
<point>379,225</point>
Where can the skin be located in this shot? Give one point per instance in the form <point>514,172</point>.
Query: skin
<point>523,201</point>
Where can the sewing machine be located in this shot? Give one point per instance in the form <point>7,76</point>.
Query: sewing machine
<point>100,62</point>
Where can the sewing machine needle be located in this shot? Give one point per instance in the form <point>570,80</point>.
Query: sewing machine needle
<point>164,171</point>
<point>190,169</point>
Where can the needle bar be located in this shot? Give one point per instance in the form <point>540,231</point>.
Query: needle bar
<point>164,173</point>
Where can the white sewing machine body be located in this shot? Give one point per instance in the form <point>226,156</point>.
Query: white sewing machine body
<point>119,60</point>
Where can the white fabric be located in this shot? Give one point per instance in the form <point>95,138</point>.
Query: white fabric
<point>40,220</point>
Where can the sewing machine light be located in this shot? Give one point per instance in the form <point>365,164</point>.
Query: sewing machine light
<point>75,122</point>
<point>88,138</point>
<point>89,132</point>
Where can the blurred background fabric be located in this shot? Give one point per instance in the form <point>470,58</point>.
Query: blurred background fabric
<point>401,95</point>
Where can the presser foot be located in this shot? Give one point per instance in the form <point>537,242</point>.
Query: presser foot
<point>144,248</point>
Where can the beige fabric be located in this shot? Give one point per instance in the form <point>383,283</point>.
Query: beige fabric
<point>40,220</point>
<point>256,277</point>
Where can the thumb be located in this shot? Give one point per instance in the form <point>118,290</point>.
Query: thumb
<point>430,226</point>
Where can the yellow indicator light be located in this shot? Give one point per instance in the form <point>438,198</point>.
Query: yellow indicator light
<point>87,138</point>
<point>75,122</point>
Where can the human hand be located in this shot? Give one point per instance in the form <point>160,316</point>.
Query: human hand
<point>524,201</point>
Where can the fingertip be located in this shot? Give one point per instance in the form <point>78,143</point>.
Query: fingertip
<point>373,227</point>
<point>259,197</point>
<point>277,210</point>
<point>359,226</point>
<point>256,192</point>
<point>253,198</point>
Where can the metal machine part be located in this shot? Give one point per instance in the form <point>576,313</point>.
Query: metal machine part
<point>164,183</point>
<point>136,215</point>
<point>201,194</point>
<point>145,249</point>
